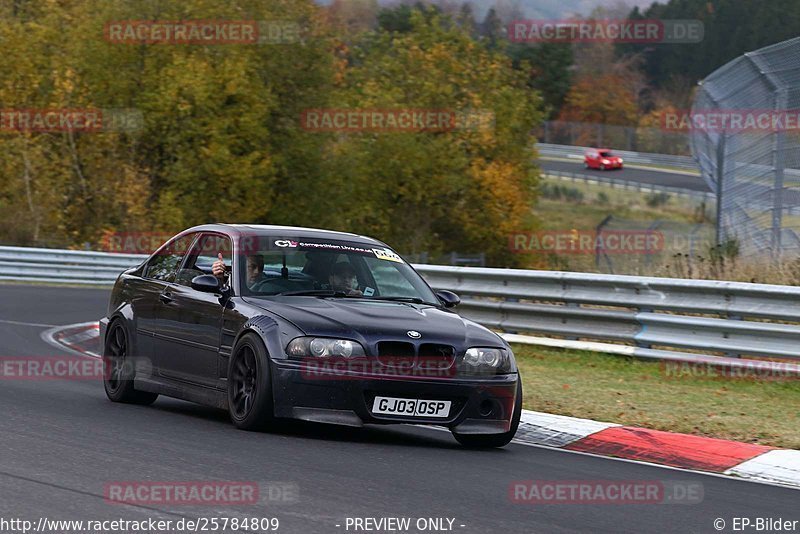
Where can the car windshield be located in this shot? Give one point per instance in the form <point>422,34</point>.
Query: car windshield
<point>339,269</point>
<point>606,154</point>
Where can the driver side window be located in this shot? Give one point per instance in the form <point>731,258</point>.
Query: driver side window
<point>163,264</point>
<point>202,257</point>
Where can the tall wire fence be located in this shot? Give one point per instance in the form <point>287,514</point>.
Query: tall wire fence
<point>755,168</point>
<point>631,138</point>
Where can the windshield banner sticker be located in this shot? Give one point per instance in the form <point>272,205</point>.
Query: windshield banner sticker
<point>386,254</point>
<point>380,253</point>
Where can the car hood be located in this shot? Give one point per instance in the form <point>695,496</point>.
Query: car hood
<point>369,321</point>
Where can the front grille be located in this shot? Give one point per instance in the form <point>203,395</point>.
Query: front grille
<point>401,354</point>
<point>436,356</point>
<point>396,354</point>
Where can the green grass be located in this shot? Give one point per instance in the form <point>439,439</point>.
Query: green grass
<point>630,209</point>
<point>633,392</point>
<point>622,203</point>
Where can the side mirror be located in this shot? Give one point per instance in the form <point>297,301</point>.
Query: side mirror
<point>448,298</point>
<point>207,283</point>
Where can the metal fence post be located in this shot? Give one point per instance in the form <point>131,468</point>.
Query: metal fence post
<point>779,162</point>
<point>720,179</point>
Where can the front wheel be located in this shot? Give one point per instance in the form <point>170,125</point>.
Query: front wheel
<point>490,441</point>
<point>119,369</point>
<point>249,385</point>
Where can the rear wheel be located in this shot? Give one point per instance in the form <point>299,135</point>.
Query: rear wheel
<point>489,441</point>
<point>119,369</point>
<point>602,167</point>
<point>249,385</point>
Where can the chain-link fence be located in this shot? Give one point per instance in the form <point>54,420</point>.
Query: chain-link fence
<point>631,138</point>
<point>672,245</point>
<point>751,155</point>
<point>618,245</point>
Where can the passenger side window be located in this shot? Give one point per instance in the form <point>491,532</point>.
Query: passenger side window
<point>389,280</point>
<point>163,264</point>
<point>203,256</point>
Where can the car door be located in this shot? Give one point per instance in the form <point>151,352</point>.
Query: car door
<point>190,321</point>
<point>591,158</point>
<point>145,301</point>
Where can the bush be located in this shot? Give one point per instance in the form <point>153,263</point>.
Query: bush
<point>655,200</point>
<point>560,192</point>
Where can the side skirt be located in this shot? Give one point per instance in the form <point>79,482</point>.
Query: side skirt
<point>216,398</point>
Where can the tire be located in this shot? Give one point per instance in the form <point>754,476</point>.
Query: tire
<point>491,441</point>
<point>602,167</point>
<point>119,369</point>
<point>585,165</point>
<point>250,385</point>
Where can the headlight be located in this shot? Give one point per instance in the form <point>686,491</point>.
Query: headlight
<point>606,162</point>
<point>620,160</point>
<point>478,360</point>
<point>323,347</point>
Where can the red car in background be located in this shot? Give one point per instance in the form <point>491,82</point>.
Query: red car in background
<point>601,158</point>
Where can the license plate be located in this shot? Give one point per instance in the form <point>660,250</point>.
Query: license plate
<point>410,407</point>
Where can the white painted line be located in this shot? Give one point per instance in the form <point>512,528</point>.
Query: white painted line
<point>625,350</point>
<point>556,430</point>
<point>548,431</point>
<point>516,441</point>
<point>41,325</point>
<point>781,466</point>
<point>80,336</point>
<point>653,167</point>
<point>48,336</point>
<point>793,486</point>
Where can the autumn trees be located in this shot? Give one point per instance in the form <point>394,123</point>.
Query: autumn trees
<point>221,138</point>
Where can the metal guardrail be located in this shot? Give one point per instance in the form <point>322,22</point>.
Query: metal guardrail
<point>641,158</point>
<point>628,184</point>
<point>658,316</point>
<point>23,264</point>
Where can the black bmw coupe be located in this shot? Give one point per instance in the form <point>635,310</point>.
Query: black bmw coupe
<point>281,322</point>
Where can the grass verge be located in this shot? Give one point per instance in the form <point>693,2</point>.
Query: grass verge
<point>634,392</point>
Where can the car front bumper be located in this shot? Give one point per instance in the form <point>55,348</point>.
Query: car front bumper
<point>478,405</point>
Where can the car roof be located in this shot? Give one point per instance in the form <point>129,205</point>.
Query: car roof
<point>283,231</point>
